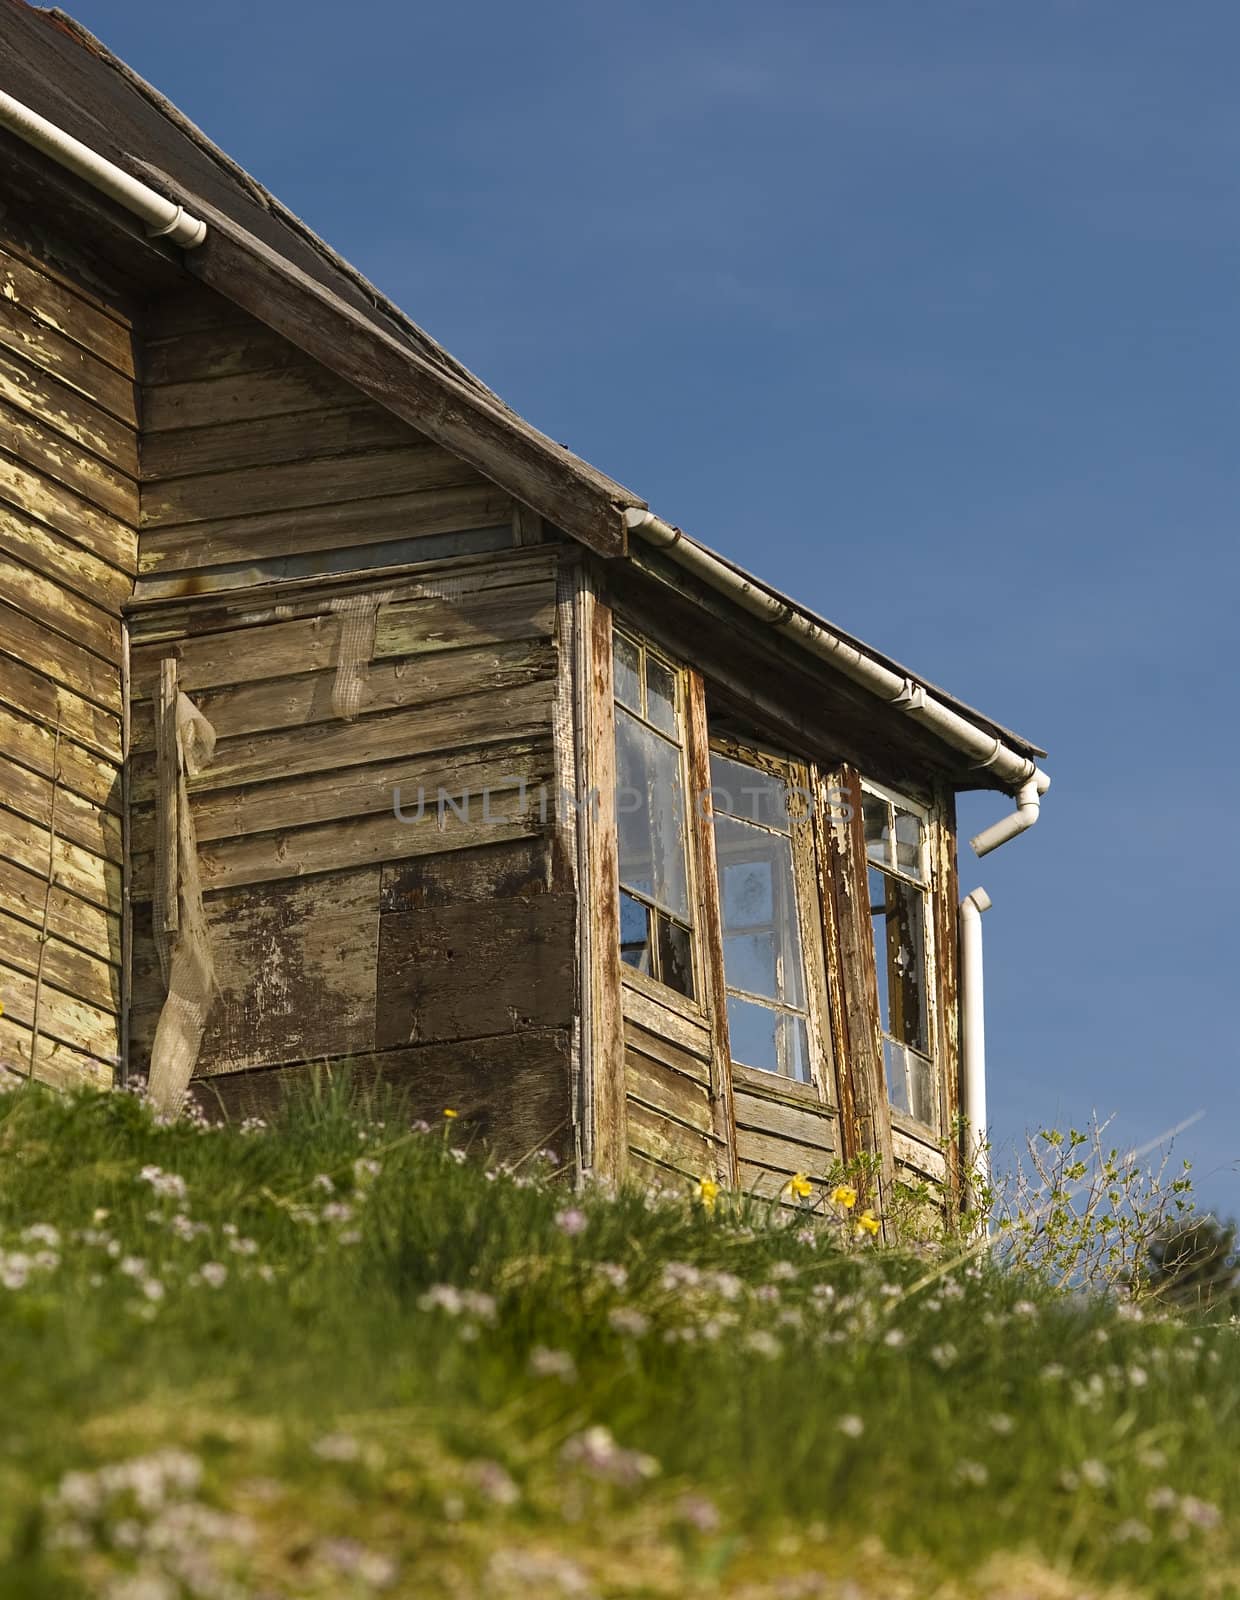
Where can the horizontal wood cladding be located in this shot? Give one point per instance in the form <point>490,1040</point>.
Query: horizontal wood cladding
<point>338,927</point>
<point>511,1092</point>
<point>667,1073</point>
<point>68,552</point>
<point>257,465</point>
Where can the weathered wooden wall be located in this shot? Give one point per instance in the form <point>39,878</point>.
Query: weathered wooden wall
<point>338,930</point>
<point>259,464</point>
<point>68,552</point>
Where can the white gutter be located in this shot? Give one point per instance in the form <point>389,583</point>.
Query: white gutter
<point>163,218</point>
<point>1009,766</point>
<point>973,1042</point>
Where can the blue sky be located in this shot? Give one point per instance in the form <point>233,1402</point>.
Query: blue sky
<point>927,313</point>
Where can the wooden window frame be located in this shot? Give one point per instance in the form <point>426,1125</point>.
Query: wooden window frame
<point>672,998</point>
<point>798,776</point>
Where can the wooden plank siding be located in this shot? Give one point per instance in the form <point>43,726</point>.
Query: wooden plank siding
<point>340,930</point>
<point>258,465</point>
<point>69,508</point>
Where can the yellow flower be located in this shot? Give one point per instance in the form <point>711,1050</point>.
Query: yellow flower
<point>844,1195</point>
<point>867,1222</point>
<point>449,1113</point>
<point>708,1192</point>
<point>800,1186</point>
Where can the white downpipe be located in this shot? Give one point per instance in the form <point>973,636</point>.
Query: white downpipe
<point>973,1040</point>
<point>163,218</point>
<point>1012,769</point>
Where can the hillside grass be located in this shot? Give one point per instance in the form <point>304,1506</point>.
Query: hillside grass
<point>341,1357</point>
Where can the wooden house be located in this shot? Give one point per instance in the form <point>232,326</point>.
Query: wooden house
<point>346,718</point>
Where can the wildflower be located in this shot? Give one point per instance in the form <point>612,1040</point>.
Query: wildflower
<point>546,1363</point>
<point>1132,1532</point>
<point>337,1211</point>
<point>1024,1308</point>
<point>698,1513</point>
<point>1164,1498</point>
<point>763,1344</point>
<point>165,1184</point>
<point>850,1426</point>
<point>628,1320</point>
<point>844,1195</point>
<point>806,1236</point>
<point>449,1114</point>
<point>366,1170</point>
<point>42,1233</point>
<point>708,1192</point>
<point>373,1570</point>
<point>571,1221</point>
<point>494,1484</point>
<point>1094,1474</point>
<point>617,1276</point>
<point>971,1473</point>
<point>894,1337</point>
<point>799,1186</point>
<point>213,1274</point>
<point>999,1422</point>
<point>598,1454</point>
<point>868,1223</point>
<point>322,1182</point>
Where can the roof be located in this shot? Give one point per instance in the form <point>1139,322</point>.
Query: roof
<point>262,256</point>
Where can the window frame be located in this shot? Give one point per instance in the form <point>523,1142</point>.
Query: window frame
<point>693,1005</point>
<point>928,887</point>
<point>798,776</point>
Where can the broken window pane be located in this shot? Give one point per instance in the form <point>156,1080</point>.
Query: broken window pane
<point>650,816</point>
<point>627,672</point>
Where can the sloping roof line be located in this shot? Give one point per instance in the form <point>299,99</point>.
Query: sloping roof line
<point>259,254</point>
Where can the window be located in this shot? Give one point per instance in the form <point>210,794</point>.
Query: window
<point>763,943</point>
<point>896,848</point>
<point>656,919</point>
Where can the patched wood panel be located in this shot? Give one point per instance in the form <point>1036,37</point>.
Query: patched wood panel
<point>446,972</point>
<point>295,964</point>
<point>33,442</point>
<point>35,392</point>
<point>29,491</point>
<point>59,610</point>
<point>495,871</point>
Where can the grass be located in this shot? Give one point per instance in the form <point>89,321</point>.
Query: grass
<point>334,1358</point>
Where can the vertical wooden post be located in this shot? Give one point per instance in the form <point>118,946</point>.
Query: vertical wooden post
<point>166,785</point>
<point>709,923</point>
<point>601,896</point>
<point>863,1088</point>
<point>945,898</point>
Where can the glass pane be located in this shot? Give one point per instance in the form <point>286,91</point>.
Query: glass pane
<point>877,815</point>
<point>878,909</point>
<point>908,842</point>
<point>759,901</point>
<point>899,912</point>
<point>796,1049</point>
<point>753,1030</point>
<point>675,955</point>
<point>923,1090</point>
<point>754,795</point>
<point>897,1076</point>
<point>660,696</point>
<point>749,963</point>
<point>650,815</point>
<point>634,934</point>
<point>626,668</point>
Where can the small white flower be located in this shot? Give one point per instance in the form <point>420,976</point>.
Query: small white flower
<point>850,1426</point>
